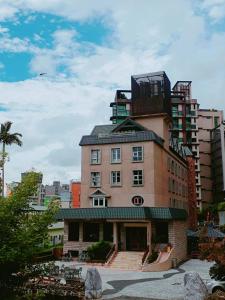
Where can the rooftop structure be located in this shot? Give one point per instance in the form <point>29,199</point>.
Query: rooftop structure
<point>150,93</point>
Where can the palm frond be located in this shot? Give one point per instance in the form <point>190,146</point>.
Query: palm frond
<point>6,137</point>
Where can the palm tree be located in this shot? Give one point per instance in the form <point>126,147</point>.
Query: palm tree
<point>7,138</point>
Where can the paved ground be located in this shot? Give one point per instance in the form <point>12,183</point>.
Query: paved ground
<point>129,285</point>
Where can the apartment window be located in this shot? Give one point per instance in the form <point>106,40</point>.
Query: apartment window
<point>137,153</point>
<point>95,156</point>
<point>115,178</point>
<point>115,155</point>
<point>137,177</point>
<point>172,167</point>
<point>168,163</point>
<point>95,179</point>
<point>169,184</point>
<point>99,201</point>
<point>216,121</point>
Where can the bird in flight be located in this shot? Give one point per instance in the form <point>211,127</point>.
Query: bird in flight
<point>41,74</point>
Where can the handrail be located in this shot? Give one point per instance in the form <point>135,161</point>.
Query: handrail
<point>110,252</point>
<point>145,255</point>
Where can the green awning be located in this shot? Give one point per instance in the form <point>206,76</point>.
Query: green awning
<point>122,213</point>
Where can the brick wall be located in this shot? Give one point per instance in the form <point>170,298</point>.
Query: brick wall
<point>178,239</point>
<point>192,202</point>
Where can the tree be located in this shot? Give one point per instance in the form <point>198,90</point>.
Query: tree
<point>22,230</point>
<point>213,250</point>
<point>7,138</point>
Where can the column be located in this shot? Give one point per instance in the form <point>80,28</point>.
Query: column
<point>81,232</point>
<point>115,236</point>
<point>101,232</point>
<point>149,236</point>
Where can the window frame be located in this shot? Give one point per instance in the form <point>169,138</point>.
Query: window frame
<point>142,154</point>
<point>133,178</point>
<point>116,161</point>
<point>98,158</point>
<point>98,199</point>
<point>91,181</point>
<point>111,178</point>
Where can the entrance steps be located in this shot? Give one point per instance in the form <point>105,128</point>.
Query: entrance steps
<point>127,260</point>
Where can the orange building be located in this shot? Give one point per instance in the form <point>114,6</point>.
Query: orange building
<point>75,193</point>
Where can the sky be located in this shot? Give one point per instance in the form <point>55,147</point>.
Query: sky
<point>88,49</point>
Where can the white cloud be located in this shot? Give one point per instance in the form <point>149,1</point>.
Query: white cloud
<point>53,112</point>
<point>52,116</point>
<point>214,8</point>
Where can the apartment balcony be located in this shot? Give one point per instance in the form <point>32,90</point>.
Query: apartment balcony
<point>177,127</point>
<point>190,127</point>
<point>191,114</point>
<point>177,114</point>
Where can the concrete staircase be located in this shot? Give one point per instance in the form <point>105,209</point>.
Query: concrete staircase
<point>127,260</point>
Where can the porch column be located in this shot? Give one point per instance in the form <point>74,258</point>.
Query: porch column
<point>81,232</point>
<point>115,236</point>
<point>101,233</point>
<point>149,236</point>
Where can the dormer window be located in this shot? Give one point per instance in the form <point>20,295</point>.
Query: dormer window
<point>99,198</point>
<point>99,201</point>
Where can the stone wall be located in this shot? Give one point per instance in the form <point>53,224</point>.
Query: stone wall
<point>178,239</point>
<point>76,246</point>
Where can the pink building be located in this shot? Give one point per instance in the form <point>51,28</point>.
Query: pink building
<point>134,189</point>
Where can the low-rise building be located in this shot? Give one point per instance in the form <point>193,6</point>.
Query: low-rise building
<point>134,189</point>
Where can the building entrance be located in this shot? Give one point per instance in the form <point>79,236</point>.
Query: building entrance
<point>136,238</point>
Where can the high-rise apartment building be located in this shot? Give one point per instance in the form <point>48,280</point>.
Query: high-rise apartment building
<point>185,129</point>
<point>207,120</point>
<point>218,162</point>
<point>191,126</point>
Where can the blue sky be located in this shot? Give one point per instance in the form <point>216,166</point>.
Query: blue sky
<point>38,29</point>
<point>88,49</point>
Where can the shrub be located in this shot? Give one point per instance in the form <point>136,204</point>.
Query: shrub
<point>99,250</point>
<point>153,257</point>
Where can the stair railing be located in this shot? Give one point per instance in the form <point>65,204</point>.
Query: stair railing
<point>110,256</point>
<point>145,255</point>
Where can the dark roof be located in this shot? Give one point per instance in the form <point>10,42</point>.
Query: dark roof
<point>140,136</point>
<point>103,129</point>
<point>129,124</point>
<point>123,213</point>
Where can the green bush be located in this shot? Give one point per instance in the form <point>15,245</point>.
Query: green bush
<point>221,206</point>
<point>99,250</point>
<point>153,257</point>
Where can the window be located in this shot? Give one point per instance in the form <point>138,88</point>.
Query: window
<point>137,200</point>
<point>108,232</point>
<point>95,179</point>
<point>169,184</point>
<point>115,178</point>
<point>95,156</point>
<point>168,163</point>
<point>216,121</point>
<point>99,201</point>
<point>137,153</point>
<point>91,232</point>
<point>73,231</point>
<point>137,177</point>
<point>115,155</point>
